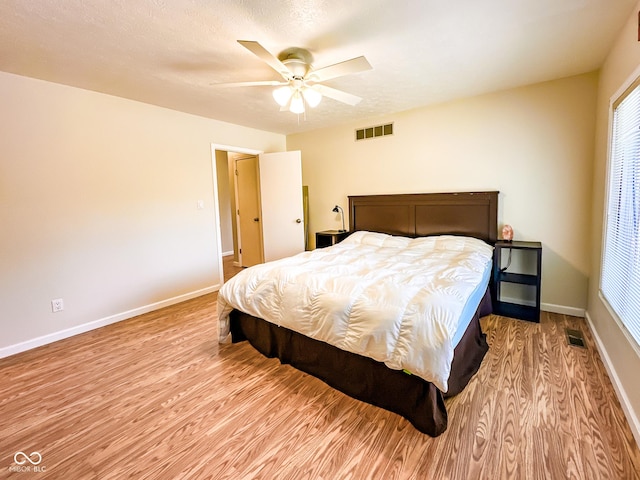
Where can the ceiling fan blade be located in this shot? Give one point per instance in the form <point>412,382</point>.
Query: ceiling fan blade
<point>339,95</point>
<point>355,65</point>
<point>270,83</point>
<point>266,56</point>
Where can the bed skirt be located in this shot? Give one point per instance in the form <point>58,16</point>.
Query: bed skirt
<point>362,378</point>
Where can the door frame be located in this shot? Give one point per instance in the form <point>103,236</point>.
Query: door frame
<point>216,200</point>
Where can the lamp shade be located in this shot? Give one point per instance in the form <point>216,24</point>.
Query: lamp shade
<point>311,96</point>
<point>297,104</point>
<point>282,95</point>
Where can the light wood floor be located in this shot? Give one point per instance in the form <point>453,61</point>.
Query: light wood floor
<point>155,397</point>
<point>229,269</point>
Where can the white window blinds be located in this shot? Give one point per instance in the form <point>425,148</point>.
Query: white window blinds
<point>620,281</point>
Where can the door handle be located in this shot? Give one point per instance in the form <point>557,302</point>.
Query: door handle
<point>298,220</point>
<point>257,219</point>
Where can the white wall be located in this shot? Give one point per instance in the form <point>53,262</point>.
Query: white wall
<point>621,359</point>
<point>533,144</point>
<point>98,200</point>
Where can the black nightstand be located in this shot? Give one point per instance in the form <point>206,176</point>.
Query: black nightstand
<point>526,256</point>
<point>327,238</point>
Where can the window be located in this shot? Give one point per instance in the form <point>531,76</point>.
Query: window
<point>620,283</point>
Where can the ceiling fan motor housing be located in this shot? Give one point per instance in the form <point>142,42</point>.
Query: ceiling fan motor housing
<point>297,60</point>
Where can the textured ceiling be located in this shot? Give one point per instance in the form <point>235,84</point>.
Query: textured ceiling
<point>169,52</point>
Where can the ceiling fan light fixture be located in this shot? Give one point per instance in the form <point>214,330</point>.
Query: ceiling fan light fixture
<point>297,103</point>
<point>311,96</point>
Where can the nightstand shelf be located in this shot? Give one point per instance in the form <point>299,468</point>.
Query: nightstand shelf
<point>528,256</point>
<point>521,278</point>
<point>328,238</point>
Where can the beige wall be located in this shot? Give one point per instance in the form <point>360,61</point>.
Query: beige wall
<point>225,195</point>
<point>621,359</point>
<point>533,144</point>
<point>98,200</point>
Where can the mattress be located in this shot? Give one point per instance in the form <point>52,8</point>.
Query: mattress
<point>472,303</point>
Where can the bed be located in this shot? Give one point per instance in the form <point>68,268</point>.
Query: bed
<point>382,380</point>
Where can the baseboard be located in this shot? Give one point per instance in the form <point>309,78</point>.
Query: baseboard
<point>85,327</point>
<point>634,423</point>
<point>563,310</point>
<point>227,254</point>
<point>549,307</point>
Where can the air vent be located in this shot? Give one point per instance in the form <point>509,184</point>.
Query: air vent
<point>575,338</point>
<point>373,132</point>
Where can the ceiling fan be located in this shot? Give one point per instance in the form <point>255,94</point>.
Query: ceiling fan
<point>301,83</point>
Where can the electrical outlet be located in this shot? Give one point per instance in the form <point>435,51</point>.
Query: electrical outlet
<point>57,305</point>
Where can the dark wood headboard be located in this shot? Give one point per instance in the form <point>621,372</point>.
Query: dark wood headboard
<point>474,214</point>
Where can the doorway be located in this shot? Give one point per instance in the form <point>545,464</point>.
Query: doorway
<point>277,222</point>
<point>225,203</point>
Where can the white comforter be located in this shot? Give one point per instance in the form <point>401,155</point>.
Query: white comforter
<point>394,299</point>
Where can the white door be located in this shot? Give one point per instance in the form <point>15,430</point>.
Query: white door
<point>281,204</point>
